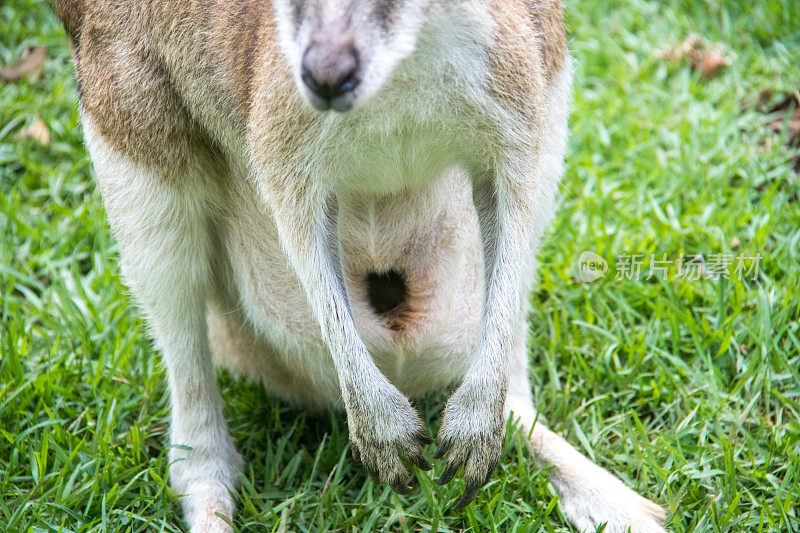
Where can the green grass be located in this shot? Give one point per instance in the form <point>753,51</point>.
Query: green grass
<point>687,389</point>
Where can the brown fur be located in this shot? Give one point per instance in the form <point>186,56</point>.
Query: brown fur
<point>548,22</point>
<point>71,14</point>
<point>530,43</point>
<point>137,62</point>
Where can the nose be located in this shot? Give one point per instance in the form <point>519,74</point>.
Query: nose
<point>330,70</point>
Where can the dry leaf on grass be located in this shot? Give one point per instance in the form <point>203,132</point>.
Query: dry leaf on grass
<point>704,57</point>
<point>38,131</point>
<point>782,110</point>
<point>31,61</point>
<point>793,126</point>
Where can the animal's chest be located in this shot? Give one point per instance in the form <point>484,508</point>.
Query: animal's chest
<point>408,136</point>
<point>408,156</point>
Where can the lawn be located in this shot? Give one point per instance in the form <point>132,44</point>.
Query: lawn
<point>680,376</point>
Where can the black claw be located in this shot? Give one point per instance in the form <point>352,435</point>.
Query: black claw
<point>467,497</point>
<point>373,474</point>
<point>421,463</point>
<point>412,481</point>
<point>489,474</point>
<point>441,450</point>
<point>424,438</point>
<point>402,489</point>
<point>448,474</point>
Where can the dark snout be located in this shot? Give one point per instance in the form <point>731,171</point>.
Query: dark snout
<point>330,70</point>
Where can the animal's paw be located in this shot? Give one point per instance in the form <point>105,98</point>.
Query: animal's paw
<point>205,506</point>
<point>384,436</point>
<point>472,434</point>
<point>601,498</point>
<point>204,477</point>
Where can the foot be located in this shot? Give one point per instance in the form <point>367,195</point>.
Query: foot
<point>208,508</point>
<point>471,436</point>
<point>205,477</point>
<point>385,434</point>
<point>600,498</point>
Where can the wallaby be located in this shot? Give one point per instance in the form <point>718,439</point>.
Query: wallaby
<point>342,199</point>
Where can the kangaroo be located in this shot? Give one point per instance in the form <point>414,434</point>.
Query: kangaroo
<point>341,199</point>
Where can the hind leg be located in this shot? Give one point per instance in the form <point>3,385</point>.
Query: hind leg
<point>159,221</point>
<point>588,494</point>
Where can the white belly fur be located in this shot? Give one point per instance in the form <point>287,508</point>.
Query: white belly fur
<point>262,326</point>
